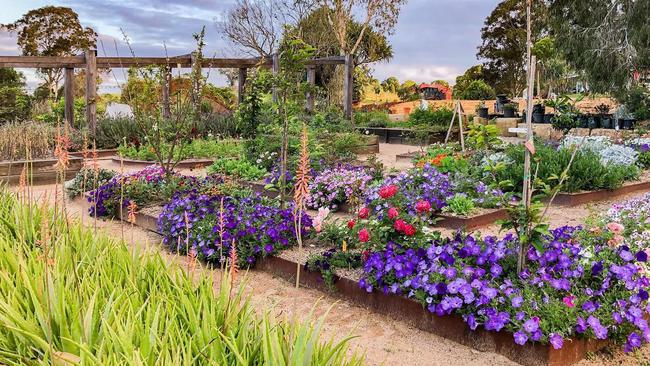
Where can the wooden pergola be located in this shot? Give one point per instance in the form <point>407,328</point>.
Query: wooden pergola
<point>91,63</point>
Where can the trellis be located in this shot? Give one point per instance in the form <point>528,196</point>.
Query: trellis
<point>91,63</point>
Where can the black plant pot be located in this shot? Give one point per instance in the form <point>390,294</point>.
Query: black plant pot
<point>509,112</point>
<point>606,122</point>
<point>583,121</point>
<point>483,112</point>
<point>592,123</point>
<point>548,118</point>
<point>620,123</point>
<point>538,116</point>
<point>628,123</point>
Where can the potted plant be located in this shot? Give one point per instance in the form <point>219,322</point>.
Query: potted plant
<point>538,113</point>
<point>510,110</point>
<point>603,114</point>
<point>548,117</point>
<point>482,110</point>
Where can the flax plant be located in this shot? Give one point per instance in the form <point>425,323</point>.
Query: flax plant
<point>300,192</point>
<point>95,301</point>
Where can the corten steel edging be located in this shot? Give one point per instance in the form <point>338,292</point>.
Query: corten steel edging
<point>409,311</point>
<point>189,163</point>
<point>470,222</point>
<point>40,171</point>
<point>574,199</point>
<point>451,327</point>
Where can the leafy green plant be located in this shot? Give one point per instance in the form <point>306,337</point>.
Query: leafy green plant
<point>460,204</point>
<point>483,137</point>
<point>71,296</point>
<point>326,263</point>
<point>237,168</point>
<point>196,149</point>
<point>430,116</point>
<point>372,119</point>
<point>113,132</point>
<point>85,181</point>
<point>566,113</point>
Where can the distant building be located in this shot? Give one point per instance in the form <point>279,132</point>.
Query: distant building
<point>435,91</point>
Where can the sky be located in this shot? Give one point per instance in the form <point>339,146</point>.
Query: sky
<point>434,39</point>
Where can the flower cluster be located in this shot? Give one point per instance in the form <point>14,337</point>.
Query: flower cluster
<point>425,184</point>
<point>210,224</point>
<point>578,286</point>
<point>337,185</point>
<point>633,214</point>
<point>144,187</point>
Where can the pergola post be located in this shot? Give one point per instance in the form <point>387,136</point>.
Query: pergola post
<point>166,88</point>
<point>348,86</point>
<point>276,70</point>
<point>241,84</point>
<point>91,90</point>
<point>68,95</point>
<point>311,80</point>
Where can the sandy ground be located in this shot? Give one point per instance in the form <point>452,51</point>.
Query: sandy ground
<point>383,340</point>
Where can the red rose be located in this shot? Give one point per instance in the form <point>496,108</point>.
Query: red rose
<point>386,192</point>
<point>351,224</point>
<point>423,206</point>
<point>409,230</point>
<point>392,213</point>
<point>363,235</point>
<point>364,212</point>
<point>400,225</point>
<point>365,254</point>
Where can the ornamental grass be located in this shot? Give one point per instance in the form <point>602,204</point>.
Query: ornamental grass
<point>68,296</point>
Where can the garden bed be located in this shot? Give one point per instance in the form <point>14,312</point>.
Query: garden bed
<point>406,136</point>
<point>407,157</point>
<point>483,217</point>
<point>450,327</point>
<point>187,164</point>
<point>41,171</point>
<point>101,153</point>
<point>580,198</point>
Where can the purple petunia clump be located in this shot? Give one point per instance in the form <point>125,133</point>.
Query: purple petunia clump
<point>336,185</point>
<point>257,228</point>
<point>577,285</point>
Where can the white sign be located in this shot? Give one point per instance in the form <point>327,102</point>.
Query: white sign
<point>517,130</point>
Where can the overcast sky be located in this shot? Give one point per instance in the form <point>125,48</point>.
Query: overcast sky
<point>434,39</point>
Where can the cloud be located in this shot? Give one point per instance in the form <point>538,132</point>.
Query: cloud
<point>418,72</point>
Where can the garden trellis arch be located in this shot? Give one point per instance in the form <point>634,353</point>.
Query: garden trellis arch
<point>90,62</point>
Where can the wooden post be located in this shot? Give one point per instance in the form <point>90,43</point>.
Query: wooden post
<point>166,90</point>
<point>91,90</point>
<point>241,84</point>
<point>276,70</point>
<point>196,80</point>
<point>348,86</point>
<point>68,95</point>
<point>311,80</point>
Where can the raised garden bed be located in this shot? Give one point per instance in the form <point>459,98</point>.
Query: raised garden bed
<point>407,157</point>
<point>101,153</point>
<point>40,171</point>
<point>397,135</point>
<point>450,327</point>
<point>482,218</point>
<point>580,198</point>
<point>187,164</point>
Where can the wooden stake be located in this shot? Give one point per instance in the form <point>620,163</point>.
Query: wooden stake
<point>68,95</point>
<point>91,90</point>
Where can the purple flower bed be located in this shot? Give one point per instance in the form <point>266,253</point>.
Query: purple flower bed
<point>425,184</point>
<point>337,185</point>
<point>255,227</point>
<point>147,186</point>
<point>581,286</point>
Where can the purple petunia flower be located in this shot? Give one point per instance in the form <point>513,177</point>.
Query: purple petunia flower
<point>556,340</point>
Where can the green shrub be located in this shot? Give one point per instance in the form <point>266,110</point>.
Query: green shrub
<point>237,168</point>
<point>113,132</point>
<point>430,116</point>
<point>372,119</point>
<point>460,204</point>
<point>197,149</point>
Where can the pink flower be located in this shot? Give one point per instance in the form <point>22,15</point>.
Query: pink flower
<point>351,224</point>
<point>386,192</point>
<point>399,225</point>
<point>616,228</point>
<point>616,240</point>
<point>363,235</point>
<point>409,230</point>
<point>423,206</point>
<point>364,212</point>
<point>320,218</point>
<point>568,301</point>
<point>392,213</point>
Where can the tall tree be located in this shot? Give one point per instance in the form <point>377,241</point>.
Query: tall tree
<point>14,102</point>
<point>608,39</point>
<point>504,44</point>
<point>51,31</point>
<point>381,15</point>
